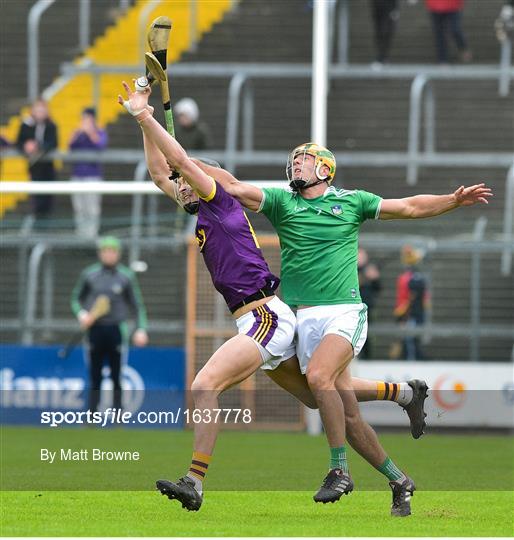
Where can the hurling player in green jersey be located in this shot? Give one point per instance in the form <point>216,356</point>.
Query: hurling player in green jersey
<point>318,227</point>
<point>223,369</point>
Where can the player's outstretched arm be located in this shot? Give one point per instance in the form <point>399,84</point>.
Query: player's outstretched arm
<point>137,105</point>
<point>158,168</point>
<point>424,206</point>
<point>249,196</point>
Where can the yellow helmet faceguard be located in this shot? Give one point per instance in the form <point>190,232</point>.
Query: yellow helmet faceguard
<point>322,156</point>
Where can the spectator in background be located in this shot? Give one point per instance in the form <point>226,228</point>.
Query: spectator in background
<point>37,137</point>
<point>504,24</point>
<point>4,143</point>
<point>369,285</point>
<point>107,335</point>
<point>189,131</point>
<point>412,302</point>
<point>87,206</point>
<point>446,17</point>
<point>385,15</point>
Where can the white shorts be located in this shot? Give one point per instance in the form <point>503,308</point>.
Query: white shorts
<point>272,326</point>
<point>314,323</point>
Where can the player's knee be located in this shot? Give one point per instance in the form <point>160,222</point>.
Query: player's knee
<point>204,382</point>
<point>319,379</point>
<point>346,392</point>
<point>353,419</point>
<point>200,384</point>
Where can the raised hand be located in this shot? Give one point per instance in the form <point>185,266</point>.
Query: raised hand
<point>136,102</point>
<point>467,196</point>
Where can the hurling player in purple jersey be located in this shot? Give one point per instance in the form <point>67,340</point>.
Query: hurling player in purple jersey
<point>239,272</point>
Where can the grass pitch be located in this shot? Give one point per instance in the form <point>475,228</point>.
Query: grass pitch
<point>465,487</point>
<point>278,513</point>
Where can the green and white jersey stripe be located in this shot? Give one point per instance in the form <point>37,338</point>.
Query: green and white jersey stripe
<point>360,325</point>
<point>319,241</point>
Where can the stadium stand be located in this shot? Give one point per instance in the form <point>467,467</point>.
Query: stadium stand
<point>119,45</point>
<point>364,115</point>
<point>58,44</point>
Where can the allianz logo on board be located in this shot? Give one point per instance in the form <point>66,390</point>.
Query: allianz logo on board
<point>26,392</point>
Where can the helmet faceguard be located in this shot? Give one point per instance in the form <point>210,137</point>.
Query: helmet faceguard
<point>192,207</point>
<point>322,156</point>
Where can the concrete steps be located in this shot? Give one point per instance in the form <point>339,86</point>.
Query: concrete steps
<point>363,116</point>
<point>413,41</point>
<point>58,43</point>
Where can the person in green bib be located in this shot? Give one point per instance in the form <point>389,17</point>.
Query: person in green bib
<point>318,227</point>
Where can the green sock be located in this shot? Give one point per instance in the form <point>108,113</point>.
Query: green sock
<point>338,458</point>
<point>389,469</point>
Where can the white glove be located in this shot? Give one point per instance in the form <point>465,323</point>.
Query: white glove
<point>133,112</point>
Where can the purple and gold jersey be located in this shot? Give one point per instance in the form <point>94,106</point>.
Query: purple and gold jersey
<point>230,248</point>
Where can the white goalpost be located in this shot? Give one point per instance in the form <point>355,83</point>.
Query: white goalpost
<point>319,86</point>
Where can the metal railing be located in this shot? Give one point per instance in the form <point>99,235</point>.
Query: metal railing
<point>505,63</point>
<point>193,24</point>
<point>240,90</point>
<point>343,33</point>
<point>84,35</point>
<point>139,187</point>
<point>508,224</point>
<point>494,160</point>
<point>85,21</point>
<point>33,21</point>
<point>45,251</point>
<point>143,21</point>
<point>303,70</point>
<point>240,96</point>
<point>476,246</point>
<point>84,24</point>
<point>422,86</point>
<point>36,256</point>
<point>140,175</point>
<point>340,16</point>
<point>478,238</point>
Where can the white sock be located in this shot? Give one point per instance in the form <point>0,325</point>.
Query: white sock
<point>405,394</point>
<point>198,483</point>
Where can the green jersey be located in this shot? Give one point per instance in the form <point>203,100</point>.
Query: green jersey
<point>319,240</point>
